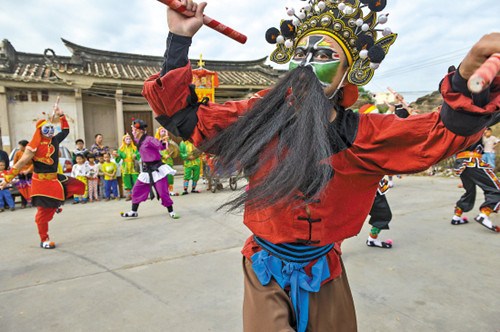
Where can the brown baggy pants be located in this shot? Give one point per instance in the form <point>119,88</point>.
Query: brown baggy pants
<point>268,308</point>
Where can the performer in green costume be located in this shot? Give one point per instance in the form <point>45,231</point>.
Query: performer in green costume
<point>192,165</point>
<point>167,156</point>
<point>129,154</point>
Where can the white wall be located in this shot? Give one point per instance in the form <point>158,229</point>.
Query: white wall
<point>24,114</point>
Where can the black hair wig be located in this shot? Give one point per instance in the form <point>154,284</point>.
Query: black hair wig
<point>289,128</point>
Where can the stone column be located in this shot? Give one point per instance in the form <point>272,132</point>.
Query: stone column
<point>119,115</point>
<point>80,122</point>
<point>4,122</point>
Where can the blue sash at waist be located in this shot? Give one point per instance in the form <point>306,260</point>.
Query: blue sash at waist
<point>285,263</point>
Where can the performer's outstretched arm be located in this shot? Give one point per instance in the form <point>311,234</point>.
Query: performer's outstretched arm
<point>64,129</point>
<point>421,141</point>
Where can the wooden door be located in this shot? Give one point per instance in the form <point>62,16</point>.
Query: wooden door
<point>99,116</point>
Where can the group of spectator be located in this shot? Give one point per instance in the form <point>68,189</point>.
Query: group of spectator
<point>100,169</point>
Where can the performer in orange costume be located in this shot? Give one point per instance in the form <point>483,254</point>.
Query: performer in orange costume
<point>49,189</point>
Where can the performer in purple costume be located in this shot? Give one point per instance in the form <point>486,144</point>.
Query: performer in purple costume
<point>154,173</point>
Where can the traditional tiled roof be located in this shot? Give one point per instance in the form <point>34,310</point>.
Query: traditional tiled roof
<point>106,65</point>
<point>24,67</point>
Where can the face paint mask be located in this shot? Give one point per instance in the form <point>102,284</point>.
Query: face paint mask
<point>128,140</point>
<point>48,130</point>
<point>325,71</point>
<point>312,51</point>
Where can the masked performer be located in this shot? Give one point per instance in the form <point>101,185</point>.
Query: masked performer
<point>48,188</point>
<point>380,213</point>
<point>380,217</point>
<point>474,171</point>
<point>129,154</point>
<point>153,177</point>
<point>192,165</point>
<point>303,201</point>
<point>167,156</point>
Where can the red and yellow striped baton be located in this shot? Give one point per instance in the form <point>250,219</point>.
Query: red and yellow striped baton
<point>208,21</point>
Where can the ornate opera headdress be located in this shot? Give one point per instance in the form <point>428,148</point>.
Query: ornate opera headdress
<point>352,23</point>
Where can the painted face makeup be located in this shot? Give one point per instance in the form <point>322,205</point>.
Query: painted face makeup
<point>318,52</point>
<point>128,140</point>
<point>48,130</point>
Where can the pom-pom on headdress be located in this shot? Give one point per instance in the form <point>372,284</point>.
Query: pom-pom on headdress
<point>352,23</point>
<point>139,124</point>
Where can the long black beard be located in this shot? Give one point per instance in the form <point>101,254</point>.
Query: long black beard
<point>288,126</point>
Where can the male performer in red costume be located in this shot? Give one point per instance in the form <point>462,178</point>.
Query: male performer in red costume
<point>313,165</point>
<point>48,188</point>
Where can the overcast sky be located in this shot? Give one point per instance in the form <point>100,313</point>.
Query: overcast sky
<point>432,34</point>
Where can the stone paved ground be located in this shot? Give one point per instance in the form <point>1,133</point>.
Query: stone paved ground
<point>156,274</point>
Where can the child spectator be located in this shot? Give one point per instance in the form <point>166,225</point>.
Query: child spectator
<point>489,143</point>
<point>100,159</point>
<point>93,179</point>
<point>5,193</point>
<point>80,149</point>
<point>109,169</point>
<point>24,176</point>
<point>5,157</point>
<point>80,171</point>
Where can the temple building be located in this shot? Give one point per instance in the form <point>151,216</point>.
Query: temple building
<point>100,91</point>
